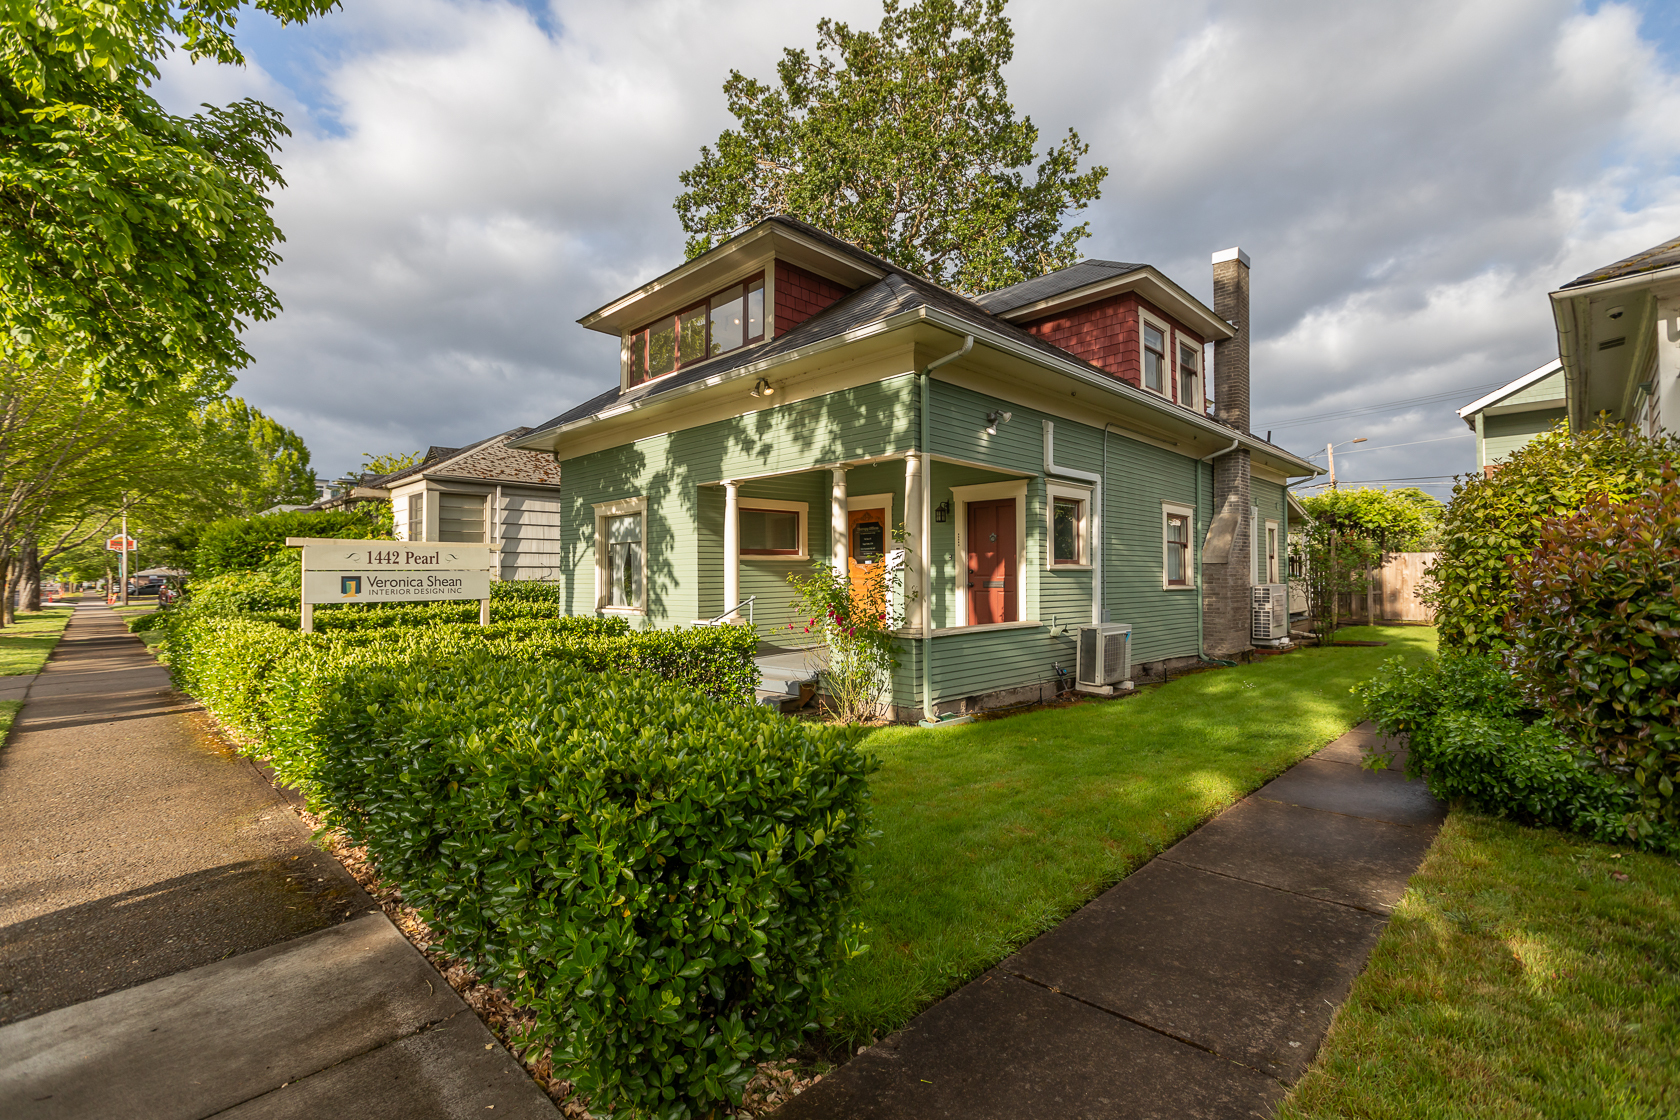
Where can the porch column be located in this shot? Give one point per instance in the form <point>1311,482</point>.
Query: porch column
<point>837,520</point>
<point>731,548</point>
<point>913,531</point>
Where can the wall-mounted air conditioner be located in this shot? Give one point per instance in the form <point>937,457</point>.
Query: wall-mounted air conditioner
<point>1105,654</point>
<point>1271,612</point>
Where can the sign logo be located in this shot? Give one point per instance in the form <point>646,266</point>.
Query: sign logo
<point>350,586</point>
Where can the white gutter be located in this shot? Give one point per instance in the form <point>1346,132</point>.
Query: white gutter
<point>1096,481</point>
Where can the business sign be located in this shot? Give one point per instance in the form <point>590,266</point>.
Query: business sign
<point>372,586</point>
<point>397,556</point>
<point>121,544</point>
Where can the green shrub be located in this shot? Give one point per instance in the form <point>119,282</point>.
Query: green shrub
<point>238,544</point>
<point>665,880</point>
<point>1469,732</point>
<point>1595,628</point>
<point>1496,519</point>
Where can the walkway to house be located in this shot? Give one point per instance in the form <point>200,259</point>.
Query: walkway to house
<point>171,943</point>
<point>1199,986</point>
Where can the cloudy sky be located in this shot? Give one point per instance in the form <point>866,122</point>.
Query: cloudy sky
<point>468,177</point>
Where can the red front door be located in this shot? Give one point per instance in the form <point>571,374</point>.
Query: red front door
<point>991,562</point>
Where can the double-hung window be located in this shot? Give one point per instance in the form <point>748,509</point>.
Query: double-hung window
<point>725,321</point>
<point>1069,508</point>
<point>1189,375</point>
<point>1177,561</point>
<point>1154,358</point>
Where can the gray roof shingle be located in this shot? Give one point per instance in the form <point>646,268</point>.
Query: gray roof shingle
<point>1658,256</point>
<point>1067,279</point>
<point>489,459</point>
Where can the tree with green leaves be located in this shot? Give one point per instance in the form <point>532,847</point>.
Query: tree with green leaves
<point>389,463</point>
<point>903,141</point>
<point>1354,531</point>
<point>283,471</point>
<point>135,241</point>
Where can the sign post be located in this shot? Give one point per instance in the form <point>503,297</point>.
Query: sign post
<point>122,546</point>
<point>351,571</point>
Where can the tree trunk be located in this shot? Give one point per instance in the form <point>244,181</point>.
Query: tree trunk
<point>29,577</point>
<point>7,588</point>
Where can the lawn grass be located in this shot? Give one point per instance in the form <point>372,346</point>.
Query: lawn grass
<point>1518,978</point>
<point>992,832</point>
<point>25,646</point>
<point>8,712</point>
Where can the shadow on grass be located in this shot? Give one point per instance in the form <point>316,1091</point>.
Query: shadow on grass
<point>993,832</point>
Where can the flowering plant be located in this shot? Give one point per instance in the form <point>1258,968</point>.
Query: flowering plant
<point>858,614</point>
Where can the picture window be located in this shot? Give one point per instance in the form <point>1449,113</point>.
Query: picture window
<point>770,532</point>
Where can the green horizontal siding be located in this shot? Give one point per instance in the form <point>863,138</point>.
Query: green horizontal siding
<point>1502,435</point>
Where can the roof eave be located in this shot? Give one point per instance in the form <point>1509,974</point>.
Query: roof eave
<point>547,439</point>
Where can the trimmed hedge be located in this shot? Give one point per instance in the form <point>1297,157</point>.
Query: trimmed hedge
<point>664,877</point>
<point>1596,637</point>
<point>241,543</point>
<point>1470,733</point>
<point>666,880</point>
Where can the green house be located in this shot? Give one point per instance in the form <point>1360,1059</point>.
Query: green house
<point>1041,459</point>
<point>1515,413</point>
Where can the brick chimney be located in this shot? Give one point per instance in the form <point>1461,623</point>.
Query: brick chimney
<point>1230,355</point>
<point>1227,558</point>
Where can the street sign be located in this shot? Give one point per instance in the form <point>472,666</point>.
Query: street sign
<point>366,586</point>
<point>121,544</point>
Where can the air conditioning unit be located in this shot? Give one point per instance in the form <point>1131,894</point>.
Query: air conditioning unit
<point>1271,612</point>
<point>1105,654</point>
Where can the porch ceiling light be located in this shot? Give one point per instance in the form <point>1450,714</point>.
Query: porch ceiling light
<point>763,388</point>
<point>993,419</point>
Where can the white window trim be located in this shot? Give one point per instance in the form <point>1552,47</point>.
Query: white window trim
<point>1188,512</point>
<point>961,496</point>
<point>603,511</point>
<point>766,269</point>
<point>1180,341</point>
<point>1170,356</point>
<point>870,501</point>
<point>1056,488</point>
<point>803,509</point>
<point>1266,571</point>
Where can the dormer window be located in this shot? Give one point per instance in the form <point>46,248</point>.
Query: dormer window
<point>1154,358</point>
<point>726,321</point>
<point>1189,363</point>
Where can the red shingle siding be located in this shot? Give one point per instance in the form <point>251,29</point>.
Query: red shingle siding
<point>801,294</point>
<point>1105,333</point>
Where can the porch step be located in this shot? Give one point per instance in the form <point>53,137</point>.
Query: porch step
<point>787,679</point>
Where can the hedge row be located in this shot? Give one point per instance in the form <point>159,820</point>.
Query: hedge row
<point>664,877</point>
<point>1470,734</point>
<point>256,676</point>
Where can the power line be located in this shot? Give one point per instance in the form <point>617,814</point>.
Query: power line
<point>1279,425</point>
<point>1386,446</point>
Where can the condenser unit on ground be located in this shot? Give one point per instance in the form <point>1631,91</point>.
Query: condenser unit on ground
<point>1271,612</point>
<point>1105,655</point>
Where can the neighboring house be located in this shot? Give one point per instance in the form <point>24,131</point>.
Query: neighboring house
<point>1618,330</point>
<point>1513,414</point>
<point>1045,451</point>
<point>487,493</point>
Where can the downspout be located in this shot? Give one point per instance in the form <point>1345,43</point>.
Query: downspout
<point>925,448</point>
<point>1201,588</point>
<point>1096,481</point>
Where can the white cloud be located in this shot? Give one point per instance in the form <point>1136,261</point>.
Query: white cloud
<point>1410,179</point>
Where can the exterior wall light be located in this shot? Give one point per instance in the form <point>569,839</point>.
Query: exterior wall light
<point>993,419</point>
<point>942,512</point>
<point>763,388</point>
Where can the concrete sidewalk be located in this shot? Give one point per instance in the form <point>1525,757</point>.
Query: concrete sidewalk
<point>1199,986</point>
<point>136,852</point>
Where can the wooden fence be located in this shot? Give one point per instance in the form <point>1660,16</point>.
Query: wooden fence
<point>1395,590</point>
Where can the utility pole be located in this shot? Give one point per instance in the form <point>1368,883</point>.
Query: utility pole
<point>1330,451</point>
